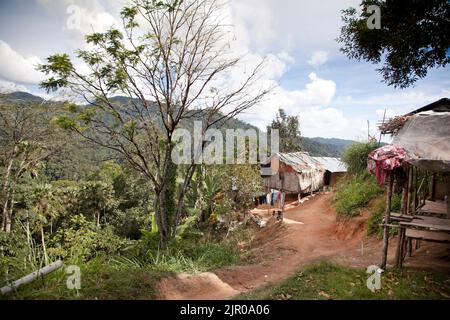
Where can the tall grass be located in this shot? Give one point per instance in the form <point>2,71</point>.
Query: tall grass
<point>355,192</point>
<point>377,213</point>
<point>189,257</point>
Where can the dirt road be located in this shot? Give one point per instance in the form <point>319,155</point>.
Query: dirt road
<point>309,233</point>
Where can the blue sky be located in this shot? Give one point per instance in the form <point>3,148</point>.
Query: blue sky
<point>333,96</point>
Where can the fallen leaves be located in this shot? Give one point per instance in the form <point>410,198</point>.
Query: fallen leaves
<point>285,296</point>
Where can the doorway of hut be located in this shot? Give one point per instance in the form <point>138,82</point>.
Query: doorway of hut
<point>327,178</point>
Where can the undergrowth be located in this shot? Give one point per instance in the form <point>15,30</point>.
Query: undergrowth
<point>353,193</point>
<point>325,281</point>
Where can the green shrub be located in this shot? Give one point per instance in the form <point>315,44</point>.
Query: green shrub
<point>353,193</point>
<point>82,239</point>
<point>189,252</point>
<point>13,255</point>
<point>355,156</point>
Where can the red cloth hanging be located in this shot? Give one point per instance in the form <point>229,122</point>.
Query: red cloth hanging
<point>385,159</point>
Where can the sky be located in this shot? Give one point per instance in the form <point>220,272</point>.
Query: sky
<point>332,95</point>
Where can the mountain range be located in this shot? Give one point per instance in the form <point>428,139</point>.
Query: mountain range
<point>317,146</point>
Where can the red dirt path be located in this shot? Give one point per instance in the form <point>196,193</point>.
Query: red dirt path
<point>309,233</point>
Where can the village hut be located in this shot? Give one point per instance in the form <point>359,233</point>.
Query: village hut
<point>334,170</point>
<point>292,173</point>
<point>299,173</point>
<point>417,162</point>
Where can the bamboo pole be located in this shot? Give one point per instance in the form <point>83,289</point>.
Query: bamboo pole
<point>410,180</point>
<point>409,211</point>
<point>403,210</point>
<point>433,187</point>
<point>448,197</point>
<point>387,215</point>
<point>32,276</point>
<point>416,181</point>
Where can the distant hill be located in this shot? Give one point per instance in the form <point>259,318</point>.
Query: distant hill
<point>24,96</point>
<point>320,147</point>
<point>334,141</point>
<point>325,147</point>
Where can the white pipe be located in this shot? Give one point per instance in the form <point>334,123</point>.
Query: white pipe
<point>32,276</point>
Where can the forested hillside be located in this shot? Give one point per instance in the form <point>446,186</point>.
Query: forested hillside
<point>319,147</point>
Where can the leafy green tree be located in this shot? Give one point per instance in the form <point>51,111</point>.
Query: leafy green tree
<point>414,37</point>
<point>288,130</point>
<point>355,156</point>
<point>26,140</point>
<point>166,64</point>
<point>44,203</point>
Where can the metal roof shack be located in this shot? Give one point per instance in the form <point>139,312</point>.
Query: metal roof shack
<point>418,156</point>
<point>298,172</point>
<point>334,165</point>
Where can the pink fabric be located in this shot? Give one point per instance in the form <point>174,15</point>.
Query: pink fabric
<point>385,159</point>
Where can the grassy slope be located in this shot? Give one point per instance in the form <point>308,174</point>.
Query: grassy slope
<point>119,277</point>
<point>98,282</point>
<point>328,281</point>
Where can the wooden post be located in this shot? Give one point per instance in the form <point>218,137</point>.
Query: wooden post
<point>387,215</point>
<point>409,210</point>
<point>448,196</point>
<point>433,187</point>
<point>398,253</point>
<point>410,180</point>
<point>403,210</point>
<point>416,199</point>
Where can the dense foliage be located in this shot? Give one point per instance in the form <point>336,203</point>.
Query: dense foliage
<point>288,130</point>
<point>88,206</point>
<point>167,63</point>
<point>354,193</point>
<point>412,37</point>
<point>358,188</point>
<point>355,156</point>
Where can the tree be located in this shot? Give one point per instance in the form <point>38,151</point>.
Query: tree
<point>288,129</point>
<point>167,63</point>
<point>413,38</point>
<point>355,156</point>
<point>26,140</point>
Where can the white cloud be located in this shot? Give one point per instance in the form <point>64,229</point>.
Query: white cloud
<point>322,122</point>
<point>289,25</point>
<point>82,17</point>
<point>317,94</point>
<point>318,58</point>
<point>8,86</point>
<point>17,68</point>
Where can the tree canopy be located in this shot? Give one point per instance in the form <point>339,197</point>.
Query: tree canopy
<point>288,130</point>
<point>171,62</point>
<point>413,37</point>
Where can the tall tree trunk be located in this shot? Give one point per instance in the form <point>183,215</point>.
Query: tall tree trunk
<point>161,219</point>
<point>181,198</point>
<point>44,248</point>
<point>10,213</point>
<point>5,213</point>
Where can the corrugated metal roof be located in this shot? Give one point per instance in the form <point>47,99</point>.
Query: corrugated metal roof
<point>302,162</point>
<point>299,161</point>
<point>332,164</point>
